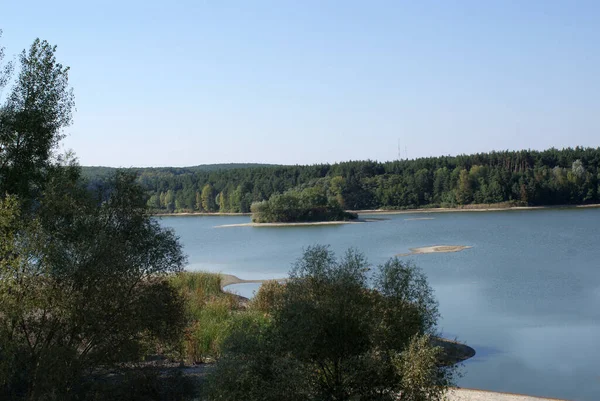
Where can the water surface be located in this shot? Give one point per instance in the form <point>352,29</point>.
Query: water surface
<point>526,296</point>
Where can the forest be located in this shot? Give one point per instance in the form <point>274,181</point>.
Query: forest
<point>551,177</point>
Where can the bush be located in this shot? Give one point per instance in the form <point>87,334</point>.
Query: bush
<point>306,205</point>
<point>268,296</point>
<point>333,335</point>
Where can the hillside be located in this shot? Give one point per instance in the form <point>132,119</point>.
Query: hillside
<point>550,177</point>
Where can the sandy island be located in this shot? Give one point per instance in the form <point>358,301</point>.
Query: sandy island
<point>435,249</point>
<point>306,223</point>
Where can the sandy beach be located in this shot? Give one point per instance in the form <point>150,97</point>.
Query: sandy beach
<point>465,394</point>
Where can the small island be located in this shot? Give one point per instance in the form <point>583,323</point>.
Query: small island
<point>309,205</point>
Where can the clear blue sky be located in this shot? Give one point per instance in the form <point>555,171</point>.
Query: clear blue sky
<point>194,82</point>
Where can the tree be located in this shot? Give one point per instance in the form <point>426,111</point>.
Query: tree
<point>208,199</point>
<point>82,272</point>
<point>31,121</point>
<point>170,201</point>
<point>464,190</point>
<point>83,285</point>
<point>221,202</point>
<point>339,336</point>
<point>198,202</point>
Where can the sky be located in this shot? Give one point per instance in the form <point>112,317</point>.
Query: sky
<point>182,83</point>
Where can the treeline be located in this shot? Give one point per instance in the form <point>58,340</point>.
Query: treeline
<point>550,177</point>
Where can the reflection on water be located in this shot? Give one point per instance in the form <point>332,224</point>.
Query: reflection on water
<point>247,290</point>
<point>525,296</point>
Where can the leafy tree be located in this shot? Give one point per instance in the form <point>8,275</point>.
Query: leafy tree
<point>208,198</point>
<point>221,202</point>
<point>338,336</point>
<point>83,284</point>
<point>36,110</point>
<point>87,288</point>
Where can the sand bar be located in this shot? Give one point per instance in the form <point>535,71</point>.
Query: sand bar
<point>301,224</point>
<point>435,249</point>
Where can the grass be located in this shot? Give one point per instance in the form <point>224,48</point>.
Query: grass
<point>212,314</point>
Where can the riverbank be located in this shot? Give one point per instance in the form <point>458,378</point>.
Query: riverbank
<point>466,394</point>
<point>300,224</point>
<point>471,208</point>
<point>467,208</point>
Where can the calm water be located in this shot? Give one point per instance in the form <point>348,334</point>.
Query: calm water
<point>526,296</point>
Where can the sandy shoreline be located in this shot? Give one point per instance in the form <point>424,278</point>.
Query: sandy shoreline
<point>473,208</point>
<point>466,394</point>
<point>299,224</point>
<point>435,249</point>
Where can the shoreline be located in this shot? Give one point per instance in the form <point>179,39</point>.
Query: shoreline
<point>230,279</point>
<point>473,208</point>
<point>456,351</point>
<point>301,223</point>
<point>473,394</point>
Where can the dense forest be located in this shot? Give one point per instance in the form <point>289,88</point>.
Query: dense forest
<point>550,177</point>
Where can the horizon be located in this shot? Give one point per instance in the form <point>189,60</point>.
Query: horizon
<point>336,162</point>
<point>183,84</point>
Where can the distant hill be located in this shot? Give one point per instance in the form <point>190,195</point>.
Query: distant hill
<point>101,172</point>
<point>525,177</point>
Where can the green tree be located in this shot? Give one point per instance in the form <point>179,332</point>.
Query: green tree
<point>83,273</point>
<point>154,202</point>
<point>338,336</point>
<point>464,191</point>
<point>198,203</point>
<point>100,295</point>
<point>31,121</point>
<point>208,199</point>
<point>170,201</point>
<point>222,202</point>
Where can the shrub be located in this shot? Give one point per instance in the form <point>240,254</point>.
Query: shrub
<point>335,335</point>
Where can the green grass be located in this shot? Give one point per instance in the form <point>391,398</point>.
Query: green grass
<point>212,314</point>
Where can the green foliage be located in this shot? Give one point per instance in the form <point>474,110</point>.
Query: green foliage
<point>208,199</point>
<point>550,177</point>
<point>269,295</point>
<point>333,336</point>
<point>211,314</point>
<point>422,379</point>
<point>83,284</point>
<point>36,109</point>
<point>309,204</point>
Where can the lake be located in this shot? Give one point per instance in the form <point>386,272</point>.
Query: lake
<point>526,296</point>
